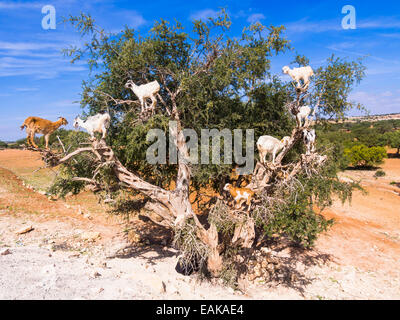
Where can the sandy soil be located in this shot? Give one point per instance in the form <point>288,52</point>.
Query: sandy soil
<point>71,253</point>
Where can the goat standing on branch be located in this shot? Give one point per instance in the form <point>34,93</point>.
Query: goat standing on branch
<point>270,145</point>
<point>302,116</point>
<point>298,74</point>
<point>309,140</point>
<point>38,125</point>
<point>98,123</point>
<point>145,91</point>
<point>240,195</point>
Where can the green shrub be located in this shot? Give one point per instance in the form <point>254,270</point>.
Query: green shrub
<point>379,173</point>
<point>363,156</point>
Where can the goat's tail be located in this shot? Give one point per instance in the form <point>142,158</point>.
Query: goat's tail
<point>28,122</point>
<point>24,125</point>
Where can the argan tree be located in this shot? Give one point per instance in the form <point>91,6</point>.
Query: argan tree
<point>209,79</point>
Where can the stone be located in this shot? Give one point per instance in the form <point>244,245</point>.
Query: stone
<point>90,236</point>
<point>270,268</point>
<point>24,230</point>
<point>95,274</point>
<point>87,216</point>
<point>257,273</point>
<point>285,253</point>
<point>5,252</point>
<point>251,277</point>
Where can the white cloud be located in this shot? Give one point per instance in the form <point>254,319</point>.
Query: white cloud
<point>380,23</point>
<point>204,14</point>
<point>26,89</point>
<point>305,26</point>
<point>40,69</point>
<point>378,103</point>
<point>341,47</point>
<point>8,5</point>
<point>131,18</point>
<point>255,17</point>
<point>24,46</point>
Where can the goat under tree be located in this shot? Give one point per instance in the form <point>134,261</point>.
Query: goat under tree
<point>188,82</point>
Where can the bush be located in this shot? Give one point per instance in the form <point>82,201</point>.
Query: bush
<point>362,156</point>
<point>3,144</point>
<point>379,173</point>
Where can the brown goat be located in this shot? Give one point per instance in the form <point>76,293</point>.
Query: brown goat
<point>240,195</point>
<point>35,125</point>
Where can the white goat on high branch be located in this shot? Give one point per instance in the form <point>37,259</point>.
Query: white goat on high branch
<point>297,74</point>
<point>98,123</point>
<point>270,145</point>
<point>145,91</point>
<point>303,114</point>
<point>309,140</point>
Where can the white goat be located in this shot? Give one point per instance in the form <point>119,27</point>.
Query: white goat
<point>297,74</point>
<point>309,140</point>
<point>98,123</point>
<point>145,91</point>
<point>302,116</point>
<point>270,145</point>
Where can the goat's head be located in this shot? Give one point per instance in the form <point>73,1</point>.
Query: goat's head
<point>64,121</point>
<point>76,122</point>
<point>285,69</point>
<point>227,187</point>
<point>129,84</point>
<point>285,141</point>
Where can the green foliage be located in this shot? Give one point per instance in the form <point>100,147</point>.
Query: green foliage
<point>82,166</point>
<point>392,139</point>
<point>363,156</point>
<point>379,173</point>
<point>298,222</point>
<point>333,84</point>
<point>3,144</point>
<point>295,216</point>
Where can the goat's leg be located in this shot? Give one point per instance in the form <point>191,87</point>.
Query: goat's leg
<point>153,101</point>
<point>33,140</point>
<point>142,104</point>
<point>262,157</point>
<point>104,131</point>
<point>240,203</point>
<point>28,137</point>
<point>46,138</point>
<point>306,121</point>
<point>298,120</point>
<point>248,202</point>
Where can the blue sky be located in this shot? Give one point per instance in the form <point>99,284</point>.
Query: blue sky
<point>36,80</point>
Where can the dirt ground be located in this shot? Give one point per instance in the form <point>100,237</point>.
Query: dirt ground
<point>73,250</point>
